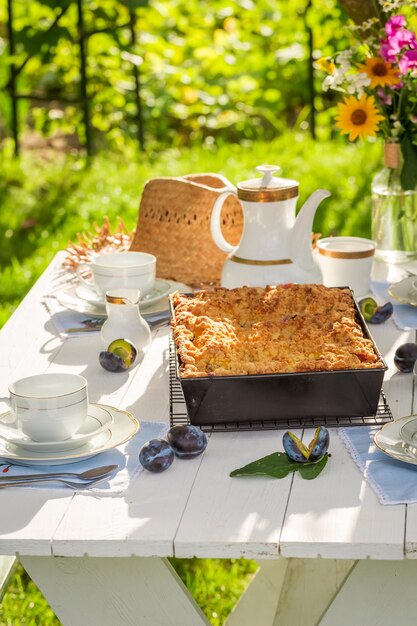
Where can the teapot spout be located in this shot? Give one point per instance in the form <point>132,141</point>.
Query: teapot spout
<point>300,243</point>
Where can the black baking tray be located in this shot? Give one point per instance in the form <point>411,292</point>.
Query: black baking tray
<point>242,399</point>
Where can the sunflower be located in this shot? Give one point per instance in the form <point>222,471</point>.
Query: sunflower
<point>359,118</point>
<point>380,72</point>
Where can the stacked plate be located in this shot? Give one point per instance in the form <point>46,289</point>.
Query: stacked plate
<point>86,300</point>
<point>398,439</point>
<point>105,428</point>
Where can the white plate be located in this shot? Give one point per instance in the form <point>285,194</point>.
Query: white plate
<point>98,420</point>
<point>70,300</point>
<point>161,289</point>
<point>403,291</point>
<point>408,431</point>
<point>123,428</point>
<point>388,439</point>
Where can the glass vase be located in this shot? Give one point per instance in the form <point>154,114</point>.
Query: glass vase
<point>394,211</point>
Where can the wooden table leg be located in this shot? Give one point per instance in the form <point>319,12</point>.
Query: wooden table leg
<point>258,604</point>
<point>301,592</point>
<point>290,592</point>
<point>114,591</point>
<point>8,565</point>
<point>376,593</point>
<point>309,587</point>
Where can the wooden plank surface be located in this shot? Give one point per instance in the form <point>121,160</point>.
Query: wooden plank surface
<point>144,520</point>
<point>27,345</point>
<point>338,514</point>
<point>234,517</point>
<point>195,508</point>
<point>29,519</point>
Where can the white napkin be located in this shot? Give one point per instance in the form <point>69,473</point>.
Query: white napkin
<point>70,323</point>
<point>125,456</point>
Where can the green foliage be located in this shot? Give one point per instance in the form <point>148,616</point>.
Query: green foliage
<point>24,604</point>
<point>208,70</point>
<point>46,202</point>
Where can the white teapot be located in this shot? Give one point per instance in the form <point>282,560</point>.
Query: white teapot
<point>275,246</point>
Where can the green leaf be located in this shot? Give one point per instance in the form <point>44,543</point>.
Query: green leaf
<point>409,168</point>
<point>278,465</point>
<point>312,470</point>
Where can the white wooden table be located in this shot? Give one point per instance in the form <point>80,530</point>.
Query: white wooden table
<point>329,553</point>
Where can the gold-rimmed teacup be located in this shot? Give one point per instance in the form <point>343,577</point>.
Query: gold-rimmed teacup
<point>130,270</point>
<point>346,262</point>
<point>49,407</point>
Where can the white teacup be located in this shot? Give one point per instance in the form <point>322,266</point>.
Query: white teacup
<point>49,407</point>
<point>346,262</point>
<point>130,270</point>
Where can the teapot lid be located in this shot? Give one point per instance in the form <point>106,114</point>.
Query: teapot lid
<point>268,188</point>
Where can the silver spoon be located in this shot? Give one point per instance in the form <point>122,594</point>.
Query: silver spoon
<point>91,474</point>
<point>68,483</point>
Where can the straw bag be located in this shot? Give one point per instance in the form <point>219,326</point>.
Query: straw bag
<point>174,225</point>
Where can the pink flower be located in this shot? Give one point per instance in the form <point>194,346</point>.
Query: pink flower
<point>394,23</point>
<point>384,97</point>
<point>397,39</point>
<point>408,61</point>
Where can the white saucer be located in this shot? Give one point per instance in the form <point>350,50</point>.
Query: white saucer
<point>98,420</point>
<point>388,439</point>
<point>161,289</point>
<point>402,291</point>
<point>91,296</point>
<point>70,300</point>
<point>408,431</point>
<point>123,428</point>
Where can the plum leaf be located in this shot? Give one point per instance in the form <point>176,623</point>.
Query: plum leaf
<point>312,470</point>
<point>278,465</point>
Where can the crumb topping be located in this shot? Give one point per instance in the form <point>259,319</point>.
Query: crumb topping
<point>282,329</point>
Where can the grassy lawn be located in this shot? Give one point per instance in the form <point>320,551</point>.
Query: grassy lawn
<point>23,604</point>
<point>45,201</point>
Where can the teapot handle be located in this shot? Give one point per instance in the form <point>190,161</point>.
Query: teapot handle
<point>216,231</point>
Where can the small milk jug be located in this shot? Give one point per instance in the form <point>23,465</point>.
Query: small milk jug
<point>124,320</point>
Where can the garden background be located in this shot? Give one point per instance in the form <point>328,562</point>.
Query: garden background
<point>98,96</point>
